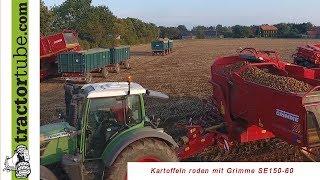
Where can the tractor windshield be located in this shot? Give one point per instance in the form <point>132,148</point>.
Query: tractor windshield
<point>313,116</point>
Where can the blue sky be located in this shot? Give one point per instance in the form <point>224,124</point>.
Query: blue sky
<point>213,12</point>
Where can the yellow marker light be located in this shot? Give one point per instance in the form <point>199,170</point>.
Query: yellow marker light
<point>129,78</point>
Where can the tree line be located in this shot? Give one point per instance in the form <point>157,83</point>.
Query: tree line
<point>285,30</point>
<point>96,25</point>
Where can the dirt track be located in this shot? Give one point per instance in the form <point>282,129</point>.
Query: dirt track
<point>184,73</point>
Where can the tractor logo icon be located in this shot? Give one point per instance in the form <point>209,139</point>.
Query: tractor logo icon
<point>19,162</point>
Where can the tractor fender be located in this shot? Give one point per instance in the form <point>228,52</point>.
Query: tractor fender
<point>117,145</point>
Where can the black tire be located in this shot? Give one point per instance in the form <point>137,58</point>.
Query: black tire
<point>46,174</point>
<point>137,150</point>
<point>104,72</point>
<point>88,78</point>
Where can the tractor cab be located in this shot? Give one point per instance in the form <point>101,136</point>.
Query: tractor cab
<point>106,110</point>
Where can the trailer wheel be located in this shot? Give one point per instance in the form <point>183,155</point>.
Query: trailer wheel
<point>144,150</point>
<point>88,77</point>
<point>126,65</point>
<point>104,72</point>
<point>46,174</point>
<point>116,68</point>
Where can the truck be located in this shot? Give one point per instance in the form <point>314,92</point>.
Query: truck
<point>51,46</point>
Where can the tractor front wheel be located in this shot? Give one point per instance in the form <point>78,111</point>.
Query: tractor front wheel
<point>46,174</point>
<point>145,150</point>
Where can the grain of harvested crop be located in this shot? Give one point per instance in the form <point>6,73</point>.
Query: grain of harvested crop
<point>262,77</point>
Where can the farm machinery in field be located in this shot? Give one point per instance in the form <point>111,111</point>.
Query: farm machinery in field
<point>51,46</point>
<point>79,66</point>
<point>253,55</point>
<point>61,54</point>
<point>106,124</point>
<point>308,56</point>
<point>162,46</point>
<point>105,128</point>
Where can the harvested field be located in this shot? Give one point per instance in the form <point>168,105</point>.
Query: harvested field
<point>183,74</point>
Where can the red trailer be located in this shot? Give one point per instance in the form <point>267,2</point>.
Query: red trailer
<point>252,112</point>
<point>51,46</point>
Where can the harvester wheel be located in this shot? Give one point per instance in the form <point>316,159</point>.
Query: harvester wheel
<point>105,72</point>
<point>144,150</point>
<point>116,68</point>
<point>46,174</point>
<point>88,77</point>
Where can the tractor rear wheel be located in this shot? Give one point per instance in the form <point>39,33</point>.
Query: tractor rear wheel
<point>144,150</point>
<point>46,174</point>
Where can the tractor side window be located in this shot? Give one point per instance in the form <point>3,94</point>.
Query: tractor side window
<point>313,117</point>
<point>134,115</point>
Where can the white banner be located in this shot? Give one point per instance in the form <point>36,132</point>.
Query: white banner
<point>221,170</point>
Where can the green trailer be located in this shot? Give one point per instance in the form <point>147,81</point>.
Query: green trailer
<point>119,56</point>
<point>160,47</point>
<point>79,65</point>
<point>170,44</point>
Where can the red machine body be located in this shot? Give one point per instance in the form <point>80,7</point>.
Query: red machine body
<point>308,56</point>
<point>51,46</point>
<point>247,106</point>
<point>297,71</point>
<point>253,112</point>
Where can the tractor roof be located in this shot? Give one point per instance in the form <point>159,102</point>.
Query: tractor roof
<point>110,89</point>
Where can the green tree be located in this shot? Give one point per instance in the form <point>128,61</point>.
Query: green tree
<point>46,20</point>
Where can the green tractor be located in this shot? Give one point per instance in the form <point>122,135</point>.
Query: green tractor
<point>105,127</point>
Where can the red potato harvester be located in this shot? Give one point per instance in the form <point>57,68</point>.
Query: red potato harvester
<point>51,46</point>
<point>308,56</point>
<point>257,56</point>
<point>253,112</point>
